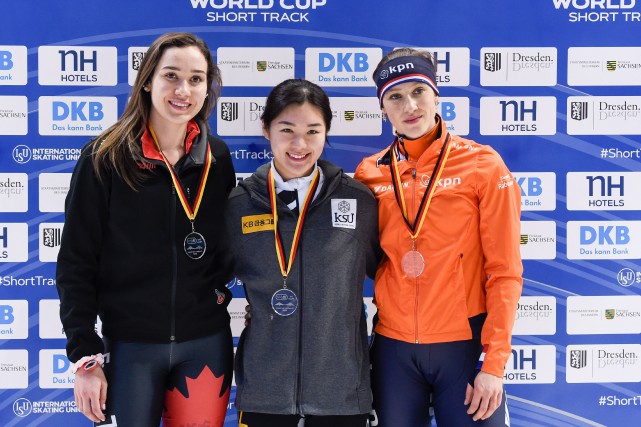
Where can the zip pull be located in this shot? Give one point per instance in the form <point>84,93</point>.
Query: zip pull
<point>413,173</point>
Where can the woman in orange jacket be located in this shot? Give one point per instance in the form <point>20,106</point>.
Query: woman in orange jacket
<point>448,285</point>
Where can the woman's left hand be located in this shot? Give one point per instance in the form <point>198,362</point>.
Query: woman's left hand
<point>485,397</point>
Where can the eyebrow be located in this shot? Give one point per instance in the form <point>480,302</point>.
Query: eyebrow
<point>171,67</point>
<point>285,122</point>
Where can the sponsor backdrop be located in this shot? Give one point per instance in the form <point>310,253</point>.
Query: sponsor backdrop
<point>553,85</point>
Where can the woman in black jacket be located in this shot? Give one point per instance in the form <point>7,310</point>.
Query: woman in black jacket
<point>141,249</point>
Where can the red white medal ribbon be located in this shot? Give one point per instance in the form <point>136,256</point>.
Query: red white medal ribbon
<point>189,210</point>
<point>286,266</point>
<point>415,228</point>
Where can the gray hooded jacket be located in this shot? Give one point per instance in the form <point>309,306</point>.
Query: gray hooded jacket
<point>314,361</point>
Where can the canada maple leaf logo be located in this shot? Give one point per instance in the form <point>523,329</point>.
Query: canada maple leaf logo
<point>198,407</point>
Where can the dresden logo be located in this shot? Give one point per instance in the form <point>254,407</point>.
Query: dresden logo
<point>136,60</point>
<point>579,110</point>
<point>578,359</point>
<point>51,237</point>
<point>611,65</point>
<point>525,238</point>
<point>261,65</point>
<point>229,111</point>
<point>349,116</point>
<point>492,62</point>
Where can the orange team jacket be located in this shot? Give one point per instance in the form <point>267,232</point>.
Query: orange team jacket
<point>470,243</point>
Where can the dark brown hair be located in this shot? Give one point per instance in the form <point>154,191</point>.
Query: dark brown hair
<point>115,147</point>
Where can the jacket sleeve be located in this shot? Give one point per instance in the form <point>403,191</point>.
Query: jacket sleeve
<point>500,228</point>
<point>86,212</point>
<point>223,158</point>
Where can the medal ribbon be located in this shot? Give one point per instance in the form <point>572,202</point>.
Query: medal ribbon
<point>189,210</point>
<point>285,267</point>
<point>415,228</point>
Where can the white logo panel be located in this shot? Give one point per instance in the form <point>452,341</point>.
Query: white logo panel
<point>55,369</point>
<point>14,369</point>
<point>255,66</point>
<point>49,324</point>
<point>356,116</point>
<point>604,66</point>
<point>50,236</point>
<point>341,67</point>
<point>538,239</point>
<point>535,315</point>
<point>14,192</point>
<point>13,65</point>
<point>605,363</point>
<point>604,115</point>
<point>452,65</point>
<point>518,116</point>
<point>135,55</point>
<point>531,364</point>
<point>518,66</point>
<point>236,309</point>
<point>240,116</point>
<point>13,115</point>
<point>14,319</point>
<point>604,239</point>
<point>52,191</point>
<point>600,191</point>
<point>538,190</point>
<point>14,242</point>
<point>77,66</point>
<point>74,115</point>
<point>456,113</point>
<point>604,315</point>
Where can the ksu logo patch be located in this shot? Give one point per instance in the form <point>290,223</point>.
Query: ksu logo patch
<point>229,111</point>
<point>492,62</point>
<point>611,65</point>
<point>579,110</point>
<point>525,238</point>
<point>261,65</point>
<point>609,313</point>
<point>51,237</point>
<point>349,115</point>
<point>344,213</point>
<point>578,359</point>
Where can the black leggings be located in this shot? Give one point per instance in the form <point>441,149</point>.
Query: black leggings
<point>255,419</point>
<point>186,383</point>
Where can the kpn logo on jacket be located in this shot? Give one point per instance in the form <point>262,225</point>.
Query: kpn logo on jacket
<point>344,213</point>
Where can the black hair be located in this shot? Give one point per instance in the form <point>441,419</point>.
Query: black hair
<point>296,91</point>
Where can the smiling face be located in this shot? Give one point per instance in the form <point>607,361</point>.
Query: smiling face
<point>297,137</point>
<point>411,108</point>
<point>178,86</point>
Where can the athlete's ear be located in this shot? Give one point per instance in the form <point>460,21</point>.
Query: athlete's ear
<point>265,132</point>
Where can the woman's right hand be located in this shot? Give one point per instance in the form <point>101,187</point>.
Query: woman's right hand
<point>90,392</point>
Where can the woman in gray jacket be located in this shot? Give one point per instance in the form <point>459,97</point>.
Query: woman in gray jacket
<point>304,235</point>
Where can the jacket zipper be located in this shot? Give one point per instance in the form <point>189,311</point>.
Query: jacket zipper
<point>174,264</point>
<point>416,279</point>
<point>299,380</point>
